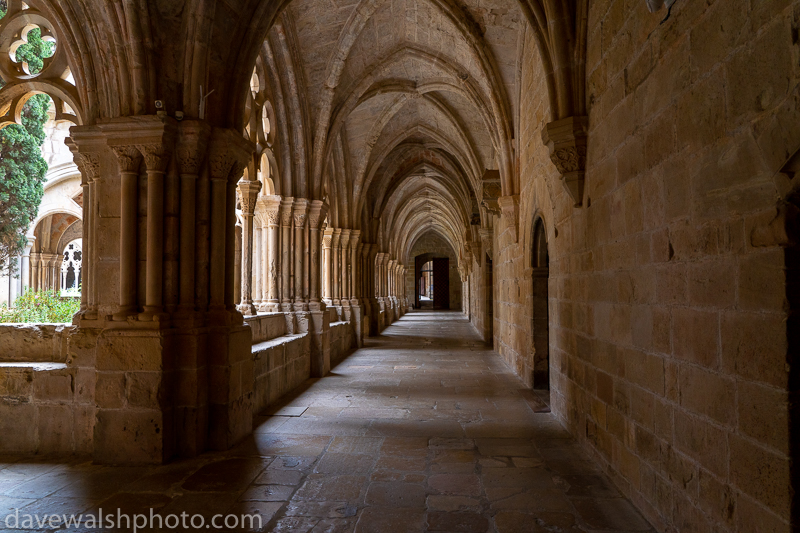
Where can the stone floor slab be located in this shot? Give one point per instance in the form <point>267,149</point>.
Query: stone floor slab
<point>423,429</point>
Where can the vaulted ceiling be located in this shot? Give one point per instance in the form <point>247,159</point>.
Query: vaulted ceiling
<point>406,104</point>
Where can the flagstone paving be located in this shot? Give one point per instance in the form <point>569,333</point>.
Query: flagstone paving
<point>424,429</point>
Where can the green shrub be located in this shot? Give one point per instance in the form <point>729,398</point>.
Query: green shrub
<point>40,306</point>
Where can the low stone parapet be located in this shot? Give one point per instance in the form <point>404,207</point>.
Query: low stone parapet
<point>281,364</point>
<point>266,326</point>
<point>34,342</point>
<point>41,409</point>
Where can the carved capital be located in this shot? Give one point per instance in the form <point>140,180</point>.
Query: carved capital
<point>268,207</point>
<point>336,234</point>
<point>316,214</point>
<point>300,212</point>
<point>128,157</point>
<point>345,237</point>
<point>327,238</point>
<point>509,207</point>
<point>156,156</point>
<point>566,140</point>
<point>148,136</point>
<point>86,143</point>
<point>355,238</point>
<point>286,211</point>
<point>229,154</point>
<point>192,143</point>
<point>248,193</point>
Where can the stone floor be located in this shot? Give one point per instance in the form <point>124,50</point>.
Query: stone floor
<point>424,429</point>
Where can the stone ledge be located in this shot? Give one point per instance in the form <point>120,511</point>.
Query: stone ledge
<point>36,367</point>
<point>277,341</point>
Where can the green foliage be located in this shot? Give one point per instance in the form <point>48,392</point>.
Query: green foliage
<point>22,176</point>
<point>34,51</point>
<point>22,168</point>
<point>3,8</point>
<point>40,306</point>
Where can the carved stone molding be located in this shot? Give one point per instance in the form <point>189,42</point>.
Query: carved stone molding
<point>566,140</point>
<point>509,207</point>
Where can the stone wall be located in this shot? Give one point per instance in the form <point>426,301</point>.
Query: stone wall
<point>46,390</point>
<point>431,243</point>
<point>668,338</point>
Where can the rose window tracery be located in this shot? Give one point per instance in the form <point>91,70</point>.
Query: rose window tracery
<point>33,61</point>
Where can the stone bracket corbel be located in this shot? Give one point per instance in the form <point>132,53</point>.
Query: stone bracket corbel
<point>486,241</point>
<point>566,140</point>
<point>509,208</point>
<point>491,191</point>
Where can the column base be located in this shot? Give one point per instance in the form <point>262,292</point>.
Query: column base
<point>247,309</point>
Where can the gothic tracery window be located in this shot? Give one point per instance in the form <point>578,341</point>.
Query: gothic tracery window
<point>71,269</point>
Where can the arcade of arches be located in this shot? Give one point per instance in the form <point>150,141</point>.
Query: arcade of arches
<point>614,190</point>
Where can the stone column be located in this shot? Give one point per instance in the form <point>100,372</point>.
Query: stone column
<point>25,267</point>
<point>156,158</point>
<point>356,307</point>
<point>300,212</point>
<point>88,163</point>
<point>219,194</point>
<point>315,218</point>
<point>272,270</point>
<point>373,288</point>
<point>248,193</point>
<point>358,273</point>
<point>34,279</point>
<point>129,159</point>
<point>190,154</point>
<point>344,276</point>
<point>327,290</point>
<point>335,260</point>
<point>286,257</point>
<point>232,277</point>
<point>259,261</point>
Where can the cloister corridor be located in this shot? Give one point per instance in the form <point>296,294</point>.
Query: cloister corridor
<point>423,429</point>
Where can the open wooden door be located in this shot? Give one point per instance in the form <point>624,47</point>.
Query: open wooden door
<point>441,283</point>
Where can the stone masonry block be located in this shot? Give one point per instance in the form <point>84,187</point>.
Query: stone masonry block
<point>54,385</point>
<point>707,393</point>
<point>55,429</point>
<point>764,414</point>
<point>695,336</point>
<point>754,346</point>
<point>762,474</point>
<point>703,442</point>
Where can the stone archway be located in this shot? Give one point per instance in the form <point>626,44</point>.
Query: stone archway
<point>540,327</point>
